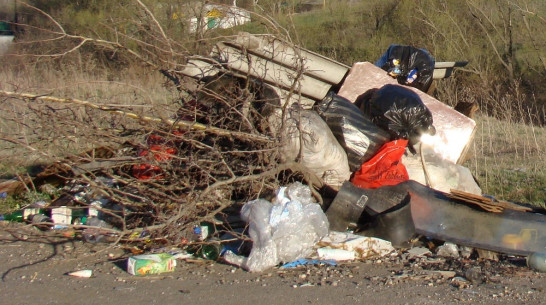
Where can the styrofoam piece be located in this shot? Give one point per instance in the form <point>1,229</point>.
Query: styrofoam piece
<point>454,131</point>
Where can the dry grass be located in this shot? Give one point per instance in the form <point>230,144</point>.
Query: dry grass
<point>509,160</point>
<point>30,136</point>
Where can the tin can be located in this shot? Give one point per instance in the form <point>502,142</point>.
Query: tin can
<point>151,264</point>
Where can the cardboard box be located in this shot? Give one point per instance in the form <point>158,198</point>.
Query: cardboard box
<point>151,264</point>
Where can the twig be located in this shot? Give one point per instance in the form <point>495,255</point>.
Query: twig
<point>423,163</point>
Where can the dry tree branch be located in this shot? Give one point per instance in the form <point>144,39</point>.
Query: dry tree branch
<point>45,14</point>
<point>149,13</point>
<point>169,122</point>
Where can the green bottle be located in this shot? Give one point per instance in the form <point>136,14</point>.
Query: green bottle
<point>21,215</point>
<point>211,251</point>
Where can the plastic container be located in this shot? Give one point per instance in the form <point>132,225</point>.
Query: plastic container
<point>537,261</point>
<point>151,264</point>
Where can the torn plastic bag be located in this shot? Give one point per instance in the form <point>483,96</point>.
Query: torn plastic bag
<point>385,168</point>
<point>356,133</point>
<point>321,152</point>
<point>398,110</point>
<point>282,231</point>
<point>409,65</point>
<point>444,175</point>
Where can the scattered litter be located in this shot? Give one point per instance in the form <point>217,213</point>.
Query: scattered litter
<point>81,273</point>
<point>448,250</point>
<point>419,252</point>
<point>388,155</point>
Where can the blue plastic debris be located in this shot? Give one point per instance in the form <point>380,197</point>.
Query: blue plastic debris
<point>306,261</point>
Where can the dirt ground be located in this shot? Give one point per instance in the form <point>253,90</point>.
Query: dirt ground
<point>34,271</point>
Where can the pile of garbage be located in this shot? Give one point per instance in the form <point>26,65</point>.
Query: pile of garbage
<point>343,164</point>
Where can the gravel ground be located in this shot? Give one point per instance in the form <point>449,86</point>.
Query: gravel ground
<point>35,266</point>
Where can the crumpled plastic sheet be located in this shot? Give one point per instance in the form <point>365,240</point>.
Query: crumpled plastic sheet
<point>283,230</point>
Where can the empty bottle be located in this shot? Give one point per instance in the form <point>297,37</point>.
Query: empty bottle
<point>211,251</point>
<point>21,215</point>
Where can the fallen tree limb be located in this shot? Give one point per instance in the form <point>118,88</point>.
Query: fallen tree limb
<point>169,122</point>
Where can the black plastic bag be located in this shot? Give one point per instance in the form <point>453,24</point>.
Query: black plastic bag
<point>409,65</point>
<point>397,110</point>
<point>359,137</point>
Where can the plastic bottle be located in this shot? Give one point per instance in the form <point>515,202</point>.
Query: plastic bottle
<point>21,215</point>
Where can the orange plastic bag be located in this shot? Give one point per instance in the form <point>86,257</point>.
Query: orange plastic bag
<point>384,168</point>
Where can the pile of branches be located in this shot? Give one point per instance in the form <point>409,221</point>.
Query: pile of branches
<point>164,169</point>
<point>216,152</point>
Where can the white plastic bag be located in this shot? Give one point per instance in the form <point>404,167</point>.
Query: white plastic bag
<point>282,231</point>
